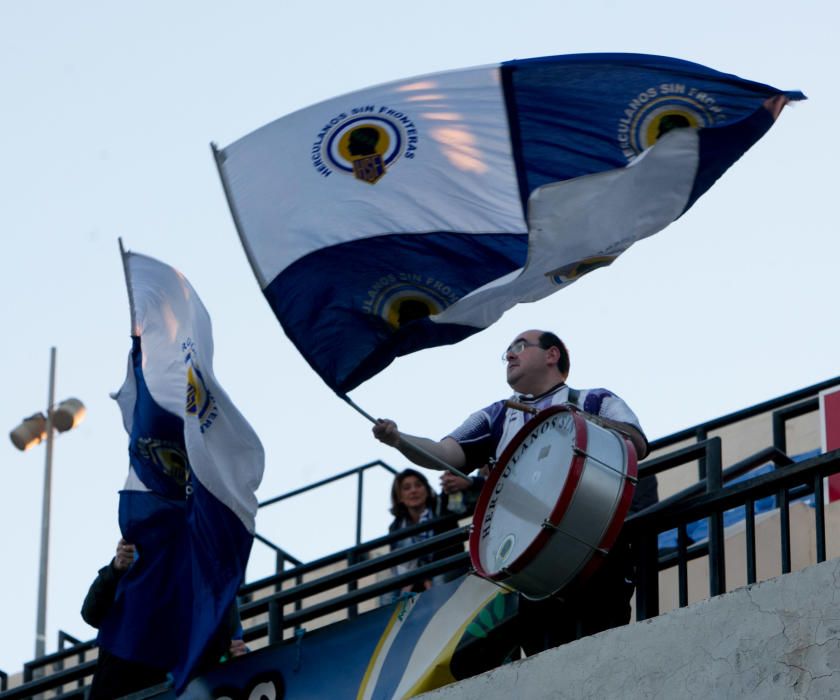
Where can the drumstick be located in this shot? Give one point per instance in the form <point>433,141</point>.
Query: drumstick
<point>609,425</point>
<point>445,466</point>
<point>521,407</point>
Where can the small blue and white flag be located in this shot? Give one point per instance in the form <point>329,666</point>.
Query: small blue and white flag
<point>413,214</point>
<point>189,502</point>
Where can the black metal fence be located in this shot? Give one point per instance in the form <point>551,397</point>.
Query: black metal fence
<point>282,556</point>
<point>787,480</point>
<point>276,604</point>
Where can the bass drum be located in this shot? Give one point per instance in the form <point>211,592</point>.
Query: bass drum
<point>554,504</point>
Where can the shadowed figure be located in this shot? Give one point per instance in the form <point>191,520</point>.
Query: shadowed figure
<point>363,141</point>
<point>670,122</point>
<point>412,310</point>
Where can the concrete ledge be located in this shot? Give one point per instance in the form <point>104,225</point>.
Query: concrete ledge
<point>776,639</point>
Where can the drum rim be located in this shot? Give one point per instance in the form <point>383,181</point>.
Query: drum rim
<point>557,512</point>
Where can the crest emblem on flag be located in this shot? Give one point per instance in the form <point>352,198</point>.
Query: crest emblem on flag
<point>569,273</point>
<point>404,297</point>
<point>654,112</point>
<point>365,142</point>
<point>167,456</point>
<point>200,400</point>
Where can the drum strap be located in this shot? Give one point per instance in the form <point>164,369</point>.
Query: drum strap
<point>573,397</point>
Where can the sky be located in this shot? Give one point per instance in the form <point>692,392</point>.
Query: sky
<point>107,113</point>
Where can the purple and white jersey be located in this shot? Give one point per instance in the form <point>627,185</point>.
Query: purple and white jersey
<point>486,433</point>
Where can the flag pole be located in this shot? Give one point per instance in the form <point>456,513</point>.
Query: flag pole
<point>414,446</point>
<point>219,159</point>
<point>124,259</point>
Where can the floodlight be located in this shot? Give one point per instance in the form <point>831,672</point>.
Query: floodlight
<point>68,414</point>
<point>29,432</point>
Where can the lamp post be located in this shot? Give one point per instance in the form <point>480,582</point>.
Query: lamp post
<point>31,431</point>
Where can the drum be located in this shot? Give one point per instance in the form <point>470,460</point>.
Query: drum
<point>554,504</point>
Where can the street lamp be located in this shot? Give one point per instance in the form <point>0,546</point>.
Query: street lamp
<point>31,431</point>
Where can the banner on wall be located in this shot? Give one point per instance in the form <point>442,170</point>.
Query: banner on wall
<point>418,644</point>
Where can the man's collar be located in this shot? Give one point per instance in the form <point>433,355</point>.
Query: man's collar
<point>529,397</point>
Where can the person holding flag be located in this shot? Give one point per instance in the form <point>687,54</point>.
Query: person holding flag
<point>189,503</point>
<point>416,213</point>
<point>114,676</point>
<point>537,368</point>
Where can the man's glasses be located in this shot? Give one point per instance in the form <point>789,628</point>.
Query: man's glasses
<point>517,347</point>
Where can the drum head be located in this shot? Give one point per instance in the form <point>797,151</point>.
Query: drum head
<point>533,482</point>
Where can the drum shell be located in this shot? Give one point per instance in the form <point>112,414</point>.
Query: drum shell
<point>585,519</point>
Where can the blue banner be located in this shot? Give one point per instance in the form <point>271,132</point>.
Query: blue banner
<point>398,651</point>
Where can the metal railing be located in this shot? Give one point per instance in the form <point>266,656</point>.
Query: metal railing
<point>643,528</point>
<point>274,603</point>
<point>359,472</point>
<point>779,405</point>
<point>359,566</point>
<point>48,673</point>
<point>56,661</point>
<point>708,499</point>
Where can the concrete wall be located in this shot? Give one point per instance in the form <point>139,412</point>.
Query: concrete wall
<point>776,639</point>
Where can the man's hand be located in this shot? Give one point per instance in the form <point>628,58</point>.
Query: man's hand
<point>237,648</point>
<point>450,483</point>
<point>124,556</point>
<point>432,454</point>
<point>386,431</point>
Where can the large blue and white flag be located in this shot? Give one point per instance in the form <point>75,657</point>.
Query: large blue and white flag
<point>189,502</point>
<point>413,214</point>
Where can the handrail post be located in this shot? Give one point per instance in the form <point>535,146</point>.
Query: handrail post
<point>646,555</point>
<point>714,482</point>
<point>819,517</point>
<point>275,610</point>
<point>682,565</point>
<point>64,638</point>
<point>279,567</point>
<point>701,435</point>
<point>779,432</point>
<point>783,500</point>
<point>275,622</point>
<point>359,492</point>
<point>352,610</point>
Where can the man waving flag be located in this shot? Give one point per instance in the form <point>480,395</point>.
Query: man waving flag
<point>413,214</point>
<point>188,504</point>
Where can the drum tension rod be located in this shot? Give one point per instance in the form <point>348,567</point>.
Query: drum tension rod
<point>553,596</point>
<point>551,526</point>
<point>582,453</point>
<point>504,570</point>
